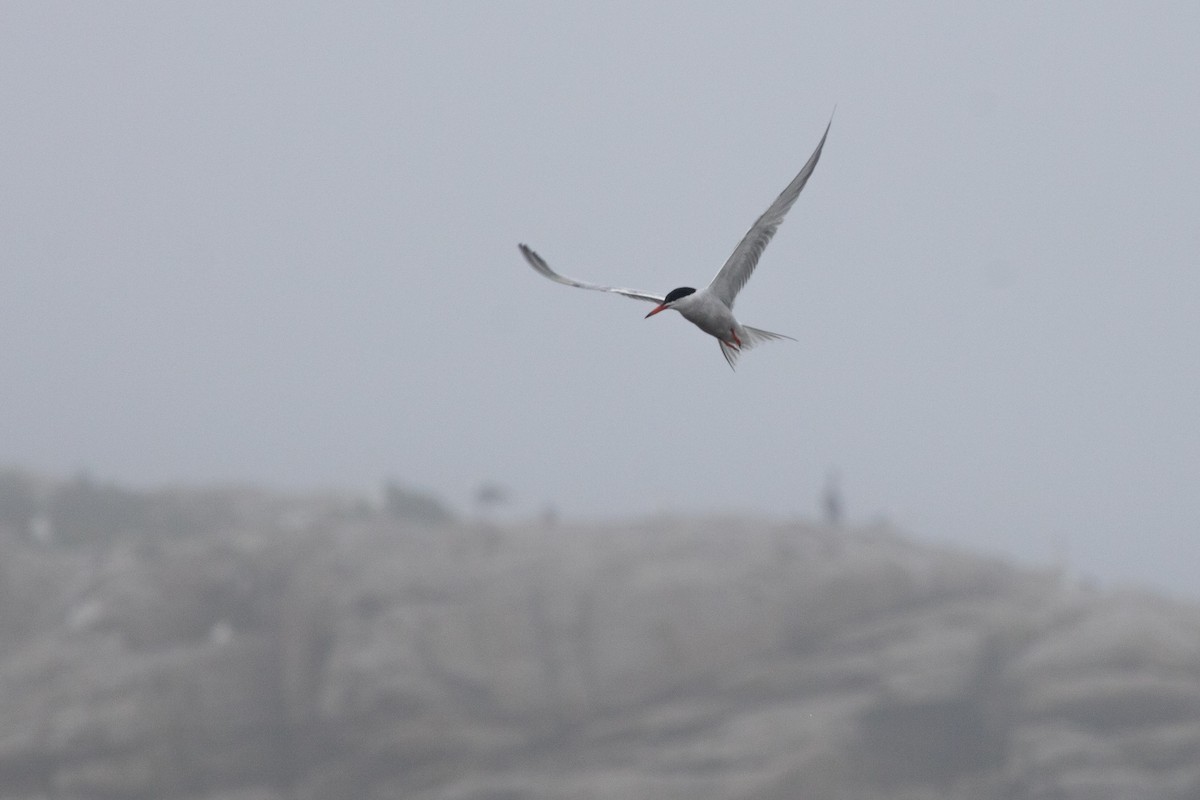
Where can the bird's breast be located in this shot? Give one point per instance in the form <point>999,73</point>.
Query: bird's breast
<point>709,315</point>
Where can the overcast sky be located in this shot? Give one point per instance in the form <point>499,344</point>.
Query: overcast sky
<point>251,242</point>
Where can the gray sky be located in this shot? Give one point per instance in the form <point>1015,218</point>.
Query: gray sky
<point>251,242</point>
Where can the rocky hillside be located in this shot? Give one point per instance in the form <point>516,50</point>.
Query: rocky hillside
<point>368,657</point>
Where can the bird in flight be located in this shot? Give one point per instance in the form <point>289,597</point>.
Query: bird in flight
<point>711,309</point>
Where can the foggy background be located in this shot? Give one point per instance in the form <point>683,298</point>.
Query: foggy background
<point>269,244</point>
<point>310,488</point>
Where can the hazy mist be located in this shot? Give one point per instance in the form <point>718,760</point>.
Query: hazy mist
<point>254,242</point>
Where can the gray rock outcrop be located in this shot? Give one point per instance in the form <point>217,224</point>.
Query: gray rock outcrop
<point>662,659</point>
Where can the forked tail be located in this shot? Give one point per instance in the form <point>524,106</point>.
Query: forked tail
<point>753,336</point>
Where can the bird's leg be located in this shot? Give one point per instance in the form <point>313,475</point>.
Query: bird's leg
<point>736,341</point>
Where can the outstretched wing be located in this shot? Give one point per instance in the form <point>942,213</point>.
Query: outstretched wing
<point>741,263</point>
<point>538,263</point>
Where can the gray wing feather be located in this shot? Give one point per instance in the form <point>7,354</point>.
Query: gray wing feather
<point>740,266</point>
<point>539,264</point>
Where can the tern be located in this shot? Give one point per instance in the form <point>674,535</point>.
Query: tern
<point>711,309</point>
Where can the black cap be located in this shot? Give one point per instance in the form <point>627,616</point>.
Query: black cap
<point>675,294</point>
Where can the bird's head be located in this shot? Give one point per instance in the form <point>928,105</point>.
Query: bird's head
<point>672,297</point>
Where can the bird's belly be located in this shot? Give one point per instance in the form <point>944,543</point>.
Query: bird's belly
<point>716,322</point>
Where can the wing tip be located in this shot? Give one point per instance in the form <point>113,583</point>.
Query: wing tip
<point>533,258</point>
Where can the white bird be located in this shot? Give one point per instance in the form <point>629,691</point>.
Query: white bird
<point>711,308</point>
